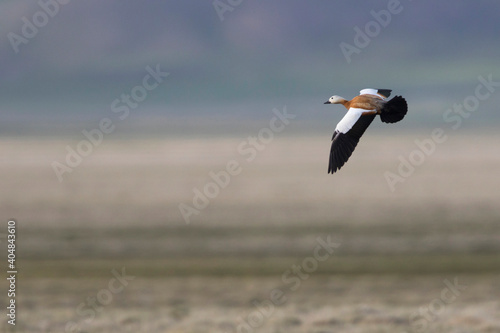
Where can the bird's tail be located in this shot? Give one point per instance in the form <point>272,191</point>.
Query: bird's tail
<point>394,110</point>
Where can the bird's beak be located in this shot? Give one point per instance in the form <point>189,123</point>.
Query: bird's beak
<point>327,102</point>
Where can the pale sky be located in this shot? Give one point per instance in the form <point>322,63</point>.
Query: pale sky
<point>87,53</point>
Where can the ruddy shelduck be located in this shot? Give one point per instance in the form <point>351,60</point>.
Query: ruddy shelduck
<point>362,110</point>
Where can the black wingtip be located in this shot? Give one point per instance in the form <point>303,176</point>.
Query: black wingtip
<point>384,92</point>
<point>343,144</point>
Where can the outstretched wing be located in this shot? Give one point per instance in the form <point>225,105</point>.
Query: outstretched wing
<point>345,138</point>
<point>384,93</point>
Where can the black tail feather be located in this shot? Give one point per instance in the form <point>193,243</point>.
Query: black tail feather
<point>394,110</point>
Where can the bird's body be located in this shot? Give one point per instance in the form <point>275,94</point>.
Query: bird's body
<point>365,102</point>
<point>362,110</point>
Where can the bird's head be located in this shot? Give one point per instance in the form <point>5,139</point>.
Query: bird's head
<point>335,100</point>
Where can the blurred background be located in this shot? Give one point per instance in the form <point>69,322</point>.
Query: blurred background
<point>187,143</point>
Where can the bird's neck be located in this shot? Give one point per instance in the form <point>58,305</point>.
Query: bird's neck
<point>345,103</point>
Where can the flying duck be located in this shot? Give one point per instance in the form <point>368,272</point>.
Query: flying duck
<point>362,110</point>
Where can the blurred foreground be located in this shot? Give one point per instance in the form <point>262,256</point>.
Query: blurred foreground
<point>119,210</point>
<point>359,303</point>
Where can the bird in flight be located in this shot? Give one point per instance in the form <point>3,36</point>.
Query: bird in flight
<point>362,110</point>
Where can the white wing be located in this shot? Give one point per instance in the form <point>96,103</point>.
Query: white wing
<point>343,144</point>
<point>370,91</point>
<point>350,118</point>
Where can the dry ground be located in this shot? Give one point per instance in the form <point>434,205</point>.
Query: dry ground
<point>337,303</point>
<point>141,183</point>
<point>120,208</point>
